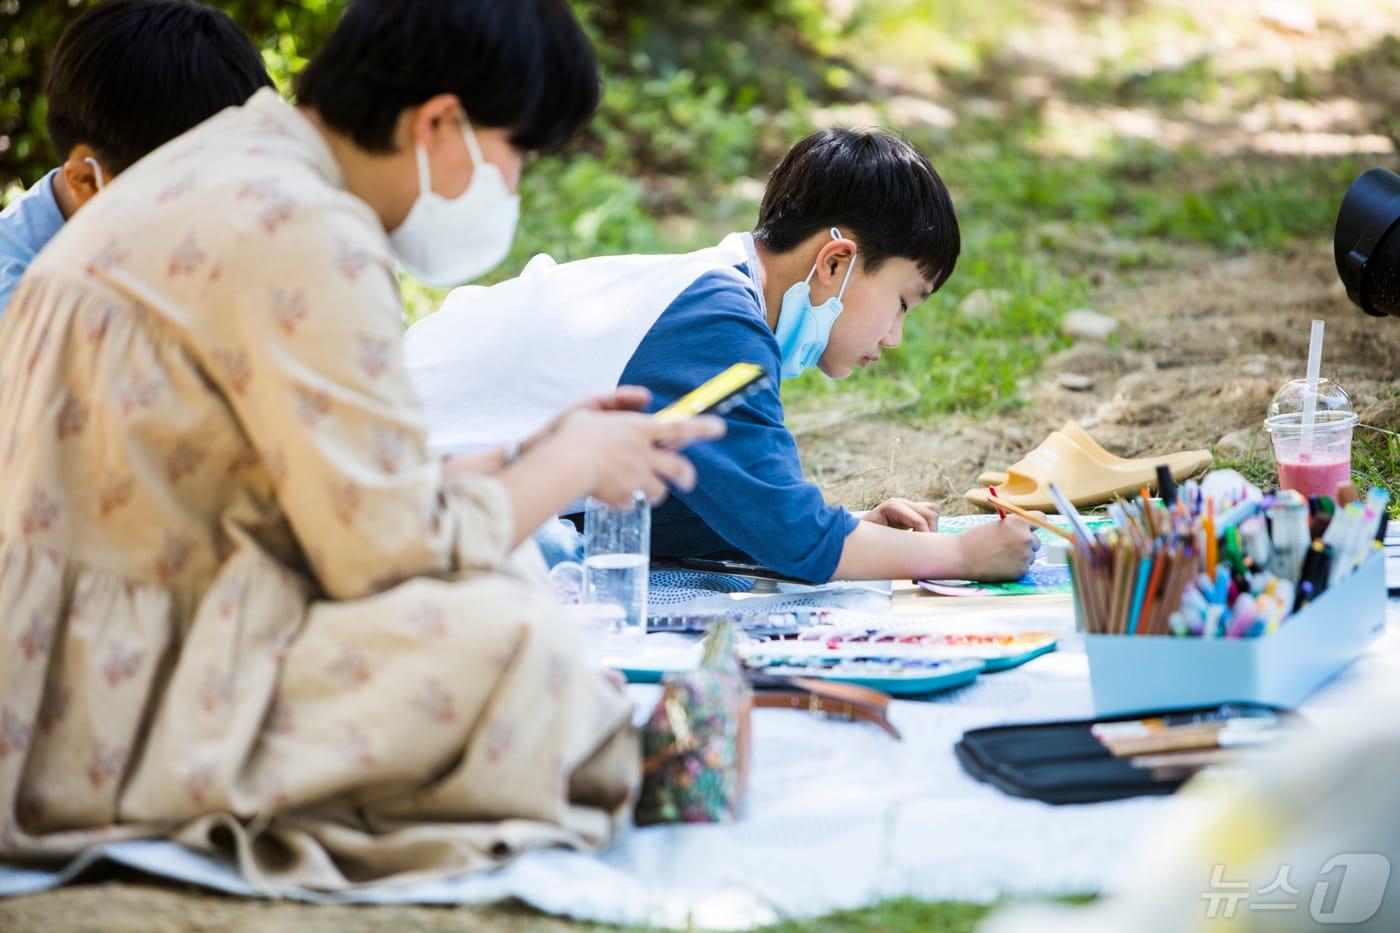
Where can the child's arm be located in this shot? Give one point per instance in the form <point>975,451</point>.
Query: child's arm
<point>995,551</point>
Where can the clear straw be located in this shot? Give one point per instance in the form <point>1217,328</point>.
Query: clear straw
<point>1310,392</point>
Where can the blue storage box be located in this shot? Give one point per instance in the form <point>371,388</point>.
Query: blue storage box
<point>1134,673</point>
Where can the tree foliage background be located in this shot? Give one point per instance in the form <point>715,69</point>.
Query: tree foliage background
<point>686,95</point>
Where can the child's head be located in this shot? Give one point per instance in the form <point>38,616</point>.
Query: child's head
<point>396,76</point>
<point>130,75</point>
<point>896,221</point>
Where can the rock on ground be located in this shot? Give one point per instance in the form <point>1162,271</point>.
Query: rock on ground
<point>1087,324</point>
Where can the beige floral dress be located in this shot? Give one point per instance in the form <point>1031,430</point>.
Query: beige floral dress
<point>240,604</point>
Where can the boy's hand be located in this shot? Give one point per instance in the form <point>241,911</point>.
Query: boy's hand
<point>998,551</point>
<point>903,514</point>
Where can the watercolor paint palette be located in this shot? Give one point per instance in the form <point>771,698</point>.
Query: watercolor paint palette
<point>902,677</point>
<point>897,677</point>
<point>898,657</point>
<point>997,651</point>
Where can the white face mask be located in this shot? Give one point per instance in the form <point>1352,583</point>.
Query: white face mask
<point>447,241</point>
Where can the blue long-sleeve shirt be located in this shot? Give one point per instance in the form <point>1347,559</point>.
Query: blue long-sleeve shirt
<point>751,500</point>
<point>26,225</point>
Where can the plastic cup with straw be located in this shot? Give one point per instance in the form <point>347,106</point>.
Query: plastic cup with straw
<point>1312,448</point>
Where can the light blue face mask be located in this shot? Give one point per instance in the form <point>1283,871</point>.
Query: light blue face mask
<point>803,330</point>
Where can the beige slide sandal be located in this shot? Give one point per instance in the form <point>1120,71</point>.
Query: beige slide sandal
<point>1078,435</point>
<point>1081,473</point>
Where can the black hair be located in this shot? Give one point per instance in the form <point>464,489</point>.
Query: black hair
<point>521,65</point>
<point>129,75</point>
<point>873,185</point>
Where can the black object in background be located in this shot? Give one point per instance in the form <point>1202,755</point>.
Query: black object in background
<point>734,568</point>
<point>1166,485</point>
<point>1062,762</point>
<point>1367,242</point>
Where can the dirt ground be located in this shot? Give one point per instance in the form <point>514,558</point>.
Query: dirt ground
<point>1198,353</point>
<point>133,906</point>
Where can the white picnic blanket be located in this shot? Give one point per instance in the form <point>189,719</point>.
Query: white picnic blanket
<point>839,816</point>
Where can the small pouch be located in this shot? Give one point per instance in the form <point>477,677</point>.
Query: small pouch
<point>695,745</point>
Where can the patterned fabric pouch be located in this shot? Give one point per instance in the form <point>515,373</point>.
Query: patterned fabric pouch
<point>695,746</point>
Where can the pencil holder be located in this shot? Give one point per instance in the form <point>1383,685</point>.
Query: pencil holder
<point>1136,673</point>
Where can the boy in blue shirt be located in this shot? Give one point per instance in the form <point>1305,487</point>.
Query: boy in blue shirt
<point>855,229</point>
<point>127,76</point>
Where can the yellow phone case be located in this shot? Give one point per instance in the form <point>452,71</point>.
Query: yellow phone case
<point>718,394</point>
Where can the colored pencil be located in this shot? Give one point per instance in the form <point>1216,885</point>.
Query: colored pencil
<point>1033,519</point>
<point>1120,559</point>
<point>1145,614</point>
<point>1212,545</point>
<point>1139,591</point>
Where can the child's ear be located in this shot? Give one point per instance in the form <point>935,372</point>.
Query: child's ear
<point>83,174</point>
<point>835,253</point>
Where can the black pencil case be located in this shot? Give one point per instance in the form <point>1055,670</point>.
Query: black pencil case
<point>1062,762</point>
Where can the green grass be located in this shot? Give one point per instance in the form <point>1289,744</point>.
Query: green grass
<point>898,915</point>
<point>1375,461</point>
<point>959,38</point>
<point>904,915</point>
<point>1252,203</point>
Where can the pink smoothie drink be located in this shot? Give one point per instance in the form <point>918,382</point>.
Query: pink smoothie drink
<point>1315,474</point>
<point>1316,465</point>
